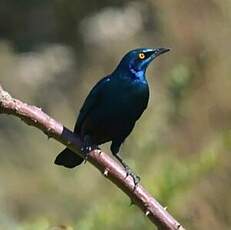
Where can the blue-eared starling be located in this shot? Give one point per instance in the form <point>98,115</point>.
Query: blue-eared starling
<point>113,106</point>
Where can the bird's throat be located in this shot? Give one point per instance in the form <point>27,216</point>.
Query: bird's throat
<point>137,75</point>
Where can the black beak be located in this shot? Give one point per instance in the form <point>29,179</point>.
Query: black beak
<point>160,51</point>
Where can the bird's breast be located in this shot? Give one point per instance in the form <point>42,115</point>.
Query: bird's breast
<point>126,100</point>
<point>121,105</point>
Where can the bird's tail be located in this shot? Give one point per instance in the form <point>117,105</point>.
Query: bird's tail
<point>68,159</point>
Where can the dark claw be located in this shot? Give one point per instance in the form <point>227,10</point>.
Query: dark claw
<point>86,150</point>
<point>136,179</point>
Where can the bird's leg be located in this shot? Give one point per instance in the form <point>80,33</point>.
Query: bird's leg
<point>87,147</point>
<point>115,146</point>
<point>128,170</point>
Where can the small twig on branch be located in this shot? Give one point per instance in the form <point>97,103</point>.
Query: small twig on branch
<point>34,116</point>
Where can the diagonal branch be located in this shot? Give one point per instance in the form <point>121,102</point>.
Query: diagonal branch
<point>34,116</point>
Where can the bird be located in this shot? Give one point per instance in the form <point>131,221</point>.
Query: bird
<point>113,106</point>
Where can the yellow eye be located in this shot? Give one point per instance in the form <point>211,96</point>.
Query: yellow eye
<point>141,55</point>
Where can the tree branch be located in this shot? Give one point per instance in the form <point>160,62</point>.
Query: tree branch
<point>34,116</point>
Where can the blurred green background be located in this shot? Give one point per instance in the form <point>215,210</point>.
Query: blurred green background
<point>53,52</point>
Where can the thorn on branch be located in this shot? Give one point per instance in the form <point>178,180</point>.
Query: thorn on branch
<point>147,213</point>
<point>105,173</point>
<point>99,151</point>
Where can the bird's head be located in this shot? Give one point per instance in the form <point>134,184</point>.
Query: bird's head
<point>137,61</point>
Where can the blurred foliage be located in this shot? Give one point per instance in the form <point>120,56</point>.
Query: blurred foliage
<point>53,52</point>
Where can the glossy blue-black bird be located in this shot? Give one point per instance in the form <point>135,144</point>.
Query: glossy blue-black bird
<point>113,106</point>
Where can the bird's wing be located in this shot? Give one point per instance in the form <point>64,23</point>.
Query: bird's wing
<point>92,100</point>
